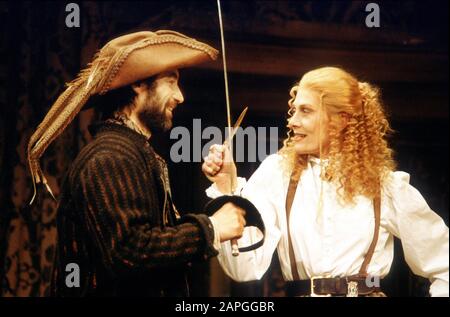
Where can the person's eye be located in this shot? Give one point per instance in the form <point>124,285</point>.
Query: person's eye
<point>291,111</point>
<point>305,110</point>
<point>172,81</point>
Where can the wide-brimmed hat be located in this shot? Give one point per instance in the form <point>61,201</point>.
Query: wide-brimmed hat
<point>121,62</point>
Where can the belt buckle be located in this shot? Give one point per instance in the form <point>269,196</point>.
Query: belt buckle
<point>352,288</point>
<point>313,294</point>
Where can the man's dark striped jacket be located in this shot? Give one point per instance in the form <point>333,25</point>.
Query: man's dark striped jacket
<point>110,223</point>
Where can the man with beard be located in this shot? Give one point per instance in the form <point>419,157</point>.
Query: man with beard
<point>116,219</point>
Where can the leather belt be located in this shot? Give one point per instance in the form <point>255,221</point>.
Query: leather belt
<point>350,286</point>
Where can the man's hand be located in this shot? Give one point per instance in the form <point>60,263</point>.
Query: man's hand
<point>230,222</point>
<point>219,168</point>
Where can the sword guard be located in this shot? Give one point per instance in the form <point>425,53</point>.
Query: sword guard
<point>252,215</point>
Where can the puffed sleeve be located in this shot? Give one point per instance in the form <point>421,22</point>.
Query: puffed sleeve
<point>252,265</point>
<point>423,233</point>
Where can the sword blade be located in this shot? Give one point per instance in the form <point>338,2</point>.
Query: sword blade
<point>236,126</point>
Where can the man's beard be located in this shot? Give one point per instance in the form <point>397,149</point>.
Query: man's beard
<point>154,115</point>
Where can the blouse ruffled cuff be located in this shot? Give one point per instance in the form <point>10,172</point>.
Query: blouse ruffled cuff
<point>213,192</point>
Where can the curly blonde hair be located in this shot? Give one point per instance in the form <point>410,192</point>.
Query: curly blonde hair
<point>359,157</point>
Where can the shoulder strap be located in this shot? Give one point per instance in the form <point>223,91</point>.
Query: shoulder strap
<point>289,200</point>
<point>370,251</point>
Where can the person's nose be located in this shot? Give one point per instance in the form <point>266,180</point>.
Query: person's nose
<point>178,95</point>
<point>294,121</point>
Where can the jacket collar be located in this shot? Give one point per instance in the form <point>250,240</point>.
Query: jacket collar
<point>98,128</point>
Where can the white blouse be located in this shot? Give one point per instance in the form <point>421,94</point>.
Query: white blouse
<point>334,242</point>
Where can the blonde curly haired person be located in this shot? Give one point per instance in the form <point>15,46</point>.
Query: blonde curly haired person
<point>334,182</point>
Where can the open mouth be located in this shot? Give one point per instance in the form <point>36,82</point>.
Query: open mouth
<point>298,136</point>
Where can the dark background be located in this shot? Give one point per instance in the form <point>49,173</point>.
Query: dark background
<point>270,44</point>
